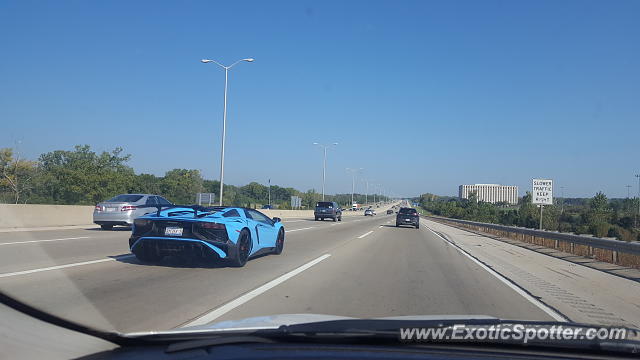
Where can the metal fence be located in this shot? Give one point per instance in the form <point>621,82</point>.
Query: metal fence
<point>613,251</point>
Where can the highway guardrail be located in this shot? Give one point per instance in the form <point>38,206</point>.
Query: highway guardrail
<point>613,251</point>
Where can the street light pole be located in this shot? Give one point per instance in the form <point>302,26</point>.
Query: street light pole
<point>636,217</point>
<point>353,181</point>
<point>366,192</point>
<point>269,193</point>
<point>324,164</point>
<point>224,114</point>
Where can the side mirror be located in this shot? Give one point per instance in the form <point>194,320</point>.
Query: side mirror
<point>276,219</point>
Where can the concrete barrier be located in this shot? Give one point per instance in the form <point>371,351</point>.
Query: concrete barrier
<point>34,216</point>
<point>28,216</point>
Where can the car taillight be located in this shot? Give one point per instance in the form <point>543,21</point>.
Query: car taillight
<point>98,208</point>
<point>128,208</point>
<point>208,225</point>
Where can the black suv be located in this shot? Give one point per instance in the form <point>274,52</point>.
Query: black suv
<point>327,210</point>
<point>408,216</point>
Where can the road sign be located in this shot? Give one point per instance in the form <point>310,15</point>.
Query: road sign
<point>296,202</point>
<point>205,198</point>
<point>542,191</point>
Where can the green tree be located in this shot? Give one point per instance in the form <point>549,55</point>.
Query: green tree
<point>181,185</point>
<point>16,175</point>
<point>83,177</point>
<point>598,216</point>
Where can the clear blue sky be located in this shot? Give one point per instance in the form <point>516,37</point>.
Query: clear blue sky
<point>424,95</point>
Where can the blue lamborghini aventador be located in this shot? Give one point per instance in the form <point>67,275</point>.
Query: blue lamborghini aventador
<point>215,233</point>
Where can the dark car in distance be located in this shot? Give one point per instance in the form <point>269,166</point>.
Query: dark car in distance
<point>408,216</point>
<point>327,210</point>
<point>389,211</point>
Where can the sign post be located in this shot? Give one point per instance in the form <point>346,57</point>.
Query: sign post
<point>202,198</point>
<point>296,202</point>
<point>542,194</point>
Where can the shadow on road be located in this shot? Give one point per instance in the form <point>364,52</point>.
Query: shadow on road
<point>172,261</point>
<point>400,227</point>
<point>119,228</point>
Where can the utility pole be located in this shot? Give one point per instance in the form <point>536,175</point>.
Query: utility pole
<point>628,191</point>
<point>562,204</point>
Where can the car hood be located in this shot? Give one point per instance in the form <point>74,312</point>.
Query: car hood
<point>275,321</point>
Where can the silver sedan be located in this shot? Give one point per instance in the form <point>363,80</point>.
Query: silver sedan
<point>123,209</point>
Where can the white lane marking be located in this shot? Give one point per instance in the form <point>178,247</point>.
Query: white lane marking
<point>216,313</point>
<point>290,221</point>
<point>551,312</point>
<point>37,241</point>
<point>365,234</point>
<point>307,228</point>
<point>25,272</point>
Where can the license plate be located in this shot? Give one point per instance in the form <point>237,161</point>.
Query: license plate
<point>407,219</point>
<point>110,209</point>
<point>173,231</point>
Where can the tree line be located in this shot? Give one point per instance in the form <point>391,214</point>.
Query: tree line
<point>84,177</point>
<point>597,216</point>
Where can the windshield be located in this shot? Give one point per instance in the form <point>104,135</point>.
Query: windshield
<point>362,159</point>
<point>324,205</point>
<point>408,211</point>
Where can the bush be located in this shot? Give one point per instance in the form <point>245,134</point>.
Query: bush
<point>565,227</point>
<point>614,232</point>
<point>600,229</point>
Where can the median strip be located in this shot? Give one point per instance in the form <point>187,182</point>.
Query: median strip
<point>216,313</point>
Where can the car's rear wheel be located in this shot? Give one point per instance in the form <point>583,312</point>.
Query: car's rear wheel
<point>243,249</point>
<point>335,218</point>
<point>417,226</point>
<point>315,219</point>
<point>106,227</point>
<point>397,225</point>
<point>279,243</point>
<point>340,218</point>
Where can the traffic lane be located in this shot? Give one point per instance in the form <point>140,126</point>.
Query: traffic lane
<point>20,236</point>
<point>566,286</point>
<point>92,231</point>
<point>125,295</point>
<point>88,245</point>
<point>392,272</point>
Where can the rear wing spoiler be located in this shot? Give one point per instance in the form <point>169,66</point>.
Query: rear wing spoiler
<point>194,208</point>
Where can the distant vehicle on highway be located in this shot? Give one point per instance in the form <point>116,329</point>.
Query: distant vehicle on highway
<point>408,216</point>
<point>267,207</point>
<point>124,208</point>
<point>389,211</point>
<point>206,234</point>
<point>369,212</point>
<point>327,210</point>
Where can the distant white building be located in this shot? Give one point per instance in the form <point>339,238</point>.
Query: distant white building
<point>491,193</point>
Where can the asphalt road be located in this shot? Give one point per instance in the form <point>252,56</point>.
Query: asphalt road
<point>362,267</point>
